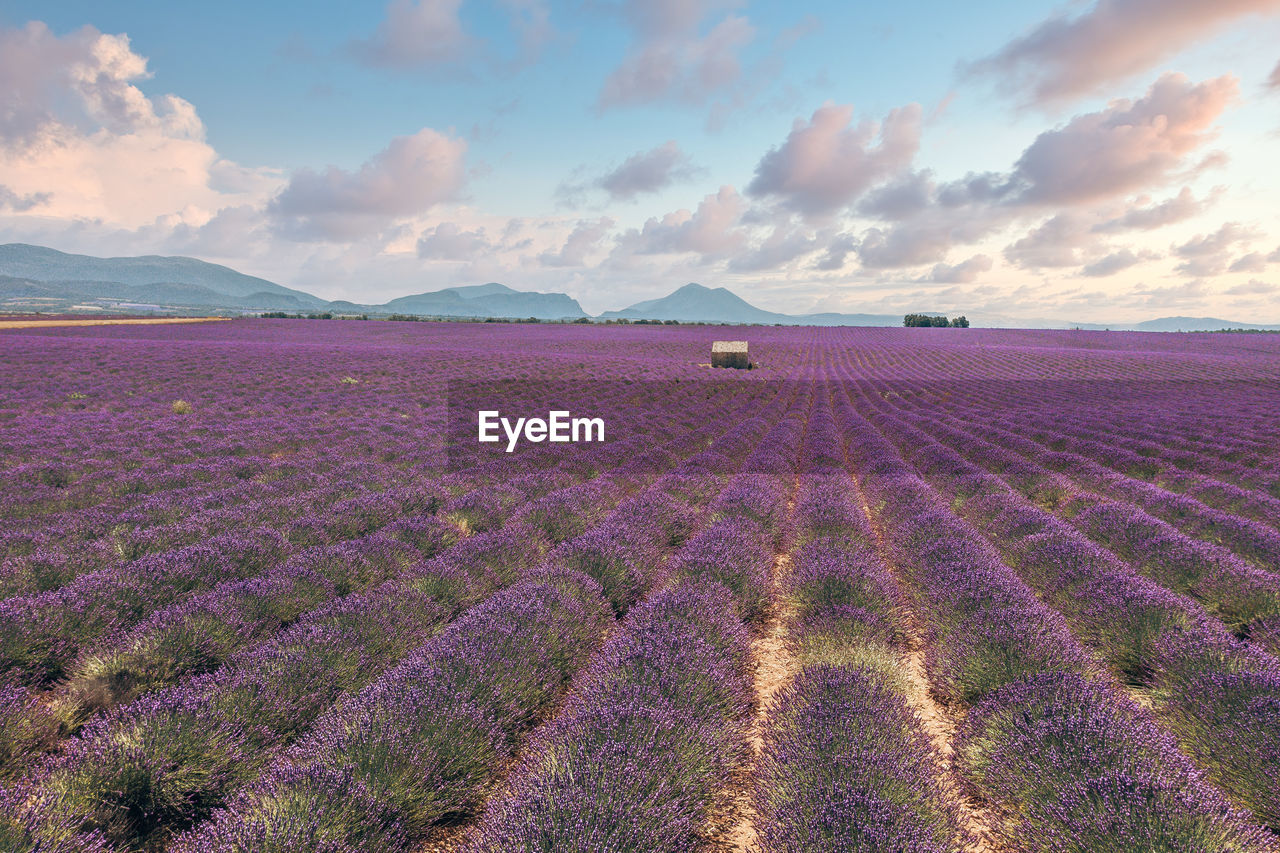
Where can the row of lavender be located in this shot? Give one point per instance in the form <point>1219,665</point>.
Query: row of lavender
<point>43,634</point>
<point>111,662</point>
<point>430,737</point>
<point>639,757</point>
<point>291,679</point>
<point>846,765</point>
<point>1247,527</point>
<point>1218,695</point>
<point>1069,761</point>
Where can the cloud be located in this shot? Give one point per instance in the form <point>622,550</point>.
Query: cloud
<point>81,79</point>
<point>1167,297</point>
<point>672,58</point>
<point>827,163</point>
<point>1053,243</point>
<point>1128,146</point>
<point>1073,172</point>
<point>1253,287</point>
<point>415,33</point>
<point>531,21</point>
<point>232,231</point>
<point>80,141</point>
<point>1116,262</point>
<point>965,272</point>
<point>708,231</point>
<point>1181,207</point>
<point>900,198</point>
<point>922,241</point>
<point>1252,262</point>
<point>783,245</point>
<point>448,242</point>
<point>647,172</point>
<point>580,243</point>
<point>9,200</point>
<point>407,177</point>
<point>1273,82</point>
<point>1274,257</point>
<point>837,252</point>
<point>1206,254</point>
<point>1068,57</point>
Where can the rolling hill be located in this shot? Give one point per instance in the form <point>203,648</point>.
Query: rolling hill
<point>40,278</point>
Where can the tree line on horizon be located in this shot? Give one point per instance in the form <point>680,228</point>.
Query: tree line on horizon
<point>930,320</point>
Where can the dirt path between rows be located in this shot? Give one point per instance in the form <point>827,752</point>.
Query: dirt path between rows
<point>773,669</point>
<point>156,321</point>
<point>977,819</point>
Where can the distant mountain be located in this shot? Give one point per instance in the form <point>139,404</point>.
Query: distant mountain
<point>179,295</point>
<point>1195,324</point>
<point>486,300</point>
<point>694,303</point>
<point>79,272</point>
<point>39,278</point>
<point>473,290</point>
<point>39,275</point>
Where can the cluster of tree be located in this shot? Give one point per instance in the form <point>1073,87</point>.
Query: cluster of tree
<point>927,320</point>
<point>623,321</point>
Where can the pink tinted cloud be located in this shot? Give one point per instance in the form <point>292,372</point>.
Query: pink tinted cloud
<point>1056,242</point>
<point>1208,254</point>
<point>710,230</point>
<point>827,163</point>
<point>410,175</point>
<point>1068,173</point>
<point>1252,262</point>
<point>448,242</point>
<point>1116,262</point>
<point>1067,57</point>
<point>647,172</point>
<point>81,142</point>
<point>1181,207</point>
<point>965,272</point>
<point>581,242</point>
<point>415,33</point>
<point>782,245</point>
<point>679,65</point>
<point>1129,146</point>
<point>1253,287</point>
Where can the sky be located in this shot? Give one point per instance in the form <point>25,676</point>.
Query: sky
<point>1107,161</point>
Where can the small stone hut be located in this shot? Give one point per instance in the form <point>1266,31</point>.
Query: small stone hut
<point>730,354</point>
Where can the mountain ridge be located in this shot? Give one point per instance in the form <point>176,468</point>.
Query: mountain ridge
<point>45,278</point>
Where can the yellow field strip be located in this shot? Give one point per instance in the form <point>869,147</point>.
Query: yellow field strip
<point>41,324</point>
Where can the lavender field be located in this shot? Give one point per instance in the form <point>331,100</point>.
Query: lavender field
<point>893,590</point>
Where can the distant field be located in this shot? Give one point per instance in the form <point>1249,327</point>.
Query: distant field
<point>896,589</point>
<point>10,323</point>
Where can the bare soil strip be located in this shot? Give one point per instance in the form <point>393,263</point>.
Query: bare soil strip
<point>773,669</point>
<point>977,819</point>
<point>156,321</point>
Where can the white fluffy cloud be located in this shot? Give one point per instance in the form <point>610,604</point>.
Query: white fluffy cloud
<point>80,141</point>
